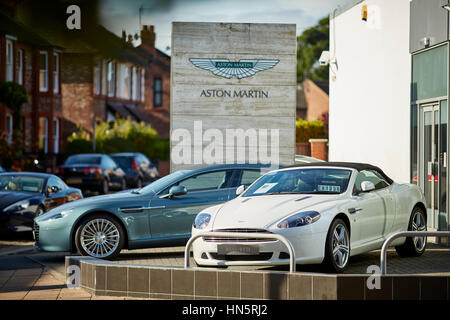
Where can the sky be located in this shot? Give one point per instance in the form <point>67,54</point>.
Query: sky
<point>118,15</point>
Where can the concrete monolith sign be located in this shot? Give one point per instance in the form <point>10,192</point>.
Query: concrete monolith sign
<point>233,93</point>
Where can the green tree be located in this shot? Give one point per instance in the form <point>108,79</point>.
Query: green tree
<point>305,130</point>
<point>310,45</point>
<point>123,135</point>
<point>14,96</point>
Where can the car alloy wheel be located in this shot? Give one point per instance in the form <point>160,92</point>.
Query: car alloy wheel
<point>340,245</point>
<point>414,246</point>
<point>419,224</point>
<point>337,247</point>
<point>100,238</point>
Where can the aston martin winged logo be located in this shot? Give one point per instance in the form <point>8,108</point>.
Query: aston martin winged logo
<point>239,69</point>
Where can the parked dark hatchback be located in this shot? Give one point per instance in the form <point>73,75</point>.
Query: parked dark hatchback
<point>93,172</point>
<point>139,170</point>
<point>26,195</point>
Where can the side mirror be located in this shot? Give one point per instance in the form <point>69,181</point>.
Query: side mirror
<point>177,191</point>
<point>367,186</point>
<point>239,190</point>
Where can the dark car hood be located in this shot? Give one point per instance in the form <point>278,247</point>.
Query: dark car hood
<point>9,197</point>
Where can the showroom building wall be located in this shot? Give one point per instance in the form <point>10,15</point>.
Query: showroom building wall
<point>369,117</point>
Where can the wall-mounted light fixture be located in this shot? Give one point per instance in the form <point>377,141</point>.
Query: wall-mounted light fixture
<point>446,6</point>
<point>425,42</point>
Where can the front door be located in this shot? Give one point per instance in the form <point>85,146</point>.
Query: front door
<point>430,155</point>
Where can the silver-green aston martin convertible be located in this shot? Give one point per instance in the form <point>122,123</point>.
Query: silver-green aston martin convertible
<point>160,214</point>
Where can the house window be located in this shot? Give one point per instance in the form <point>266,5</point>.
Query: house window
<point>111,78</point>
<point>142,84</point>
<point>43,135</point>
<point>157,92</point>
<point>97,77</point>
<point>9,60</point>
<point>136,84</point>
<point>9,129</point>
<point>56,136</point>
<point>55,72</point>
<point>43,71</point>
<point>124,82</point>
<point>20,67</point>
<point>104,76</point>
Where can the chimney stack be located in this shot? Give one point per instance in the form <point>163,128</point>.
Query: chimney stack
<point>148,38</point>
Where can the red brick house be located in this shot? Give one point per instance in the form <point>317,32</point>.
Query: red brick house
<point>32,61</point>
<point>75,78</point>
<point>312,99</point>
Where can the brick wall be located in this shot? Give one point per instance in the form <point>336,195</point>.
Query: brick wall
<point>77,92</point>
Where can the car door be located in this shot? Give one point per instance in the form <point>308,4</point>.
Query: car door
<point>371,209</point>
<point>55,194</point>
<point>173,217</point>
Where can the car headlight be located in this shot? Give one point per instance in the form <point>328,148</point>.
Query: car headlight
<point>18,206</point>
<point>202,220</point>
<point>57,215</point>
<point>299,219</point>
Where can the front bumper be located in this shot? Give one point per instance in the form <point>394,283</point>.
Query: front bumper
<point>309,248</point>
<point>17,221</point>
<point>52,236</point>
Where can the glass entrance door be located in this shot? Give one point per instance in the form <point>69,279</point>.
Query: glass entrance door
<point>433,159</point>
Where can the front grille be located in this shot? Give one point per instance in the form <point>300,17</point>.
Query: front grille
<point>238,257</point>
<point>36,232</point>
<point>239,230</point>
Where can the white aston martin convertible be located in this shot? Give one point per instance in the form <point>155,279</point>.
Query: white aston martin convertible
<point>328,211</point>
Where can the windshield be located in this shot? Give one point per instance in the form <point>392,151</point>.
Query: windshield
<point>163,182</point>
<point>83,160</point>
<point>123,162</point>
<point>304,181</point>
<point>11,183</point>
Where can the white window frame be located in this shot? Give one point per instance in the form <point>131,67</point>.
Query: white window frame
<point>9,53</point>
<point>104,77</point>
<point>20,57</point>
<point>142,85</point>
<point>127,83</point>
<point>119,80</point>
<point>110,79</point>
<point>97,77</point>
<point>56,72</point>
<point>136,83</point>
<point>56,136</point>
<point>43,87</point>
<point>9,125</point>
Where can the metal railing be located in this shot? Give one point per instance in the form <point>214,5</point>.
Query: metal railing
<point>286,242</point>
<point>407,234</point>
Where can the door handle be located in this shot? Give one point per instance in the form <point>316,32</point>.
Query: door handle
<point>354,210</point>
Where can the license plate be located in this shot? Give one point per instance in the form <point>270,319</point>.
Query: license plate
<point>74,181</point>
<point>237,249</point>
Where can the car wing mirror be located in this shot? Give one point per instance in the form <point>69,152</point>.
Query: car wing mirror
<point>239,190</point>
<point>175,191</point>
<point>367,186</point>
